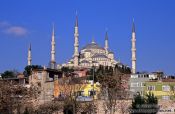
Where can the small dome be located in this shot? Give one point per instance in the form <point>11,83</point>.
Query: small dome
<point>111,52</point>
<point>87,50</point>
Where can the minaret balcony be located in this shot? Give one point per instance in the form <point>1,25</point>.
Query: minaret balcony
<point>133,49</point>
<point>133,39</point>
<point>76,45</point>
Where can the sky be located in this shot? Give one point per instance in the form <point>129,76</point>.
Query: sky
<point>23,22</point>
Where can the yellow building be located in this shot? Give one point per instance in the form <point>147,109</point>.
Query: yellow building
<point>78,90</point>
<point>87,90</point>
<point>164,90</point>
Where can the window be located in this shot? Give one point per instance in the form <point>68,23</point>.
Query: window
<point>39,75</point>
<point>21,81</point>
<point>39,84</point>
<point>134,85</point>
<point>134,75</point>
<point>80,93</point>
<point>165,88</point>
<point>91,93</point>
<point>138,84</point>
<point>151,88</point>
<point>143,84</point>
<point>165,97</point>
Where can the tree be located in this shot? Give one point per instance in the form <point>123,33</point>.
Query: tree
<point>123,106</point>
<point>109,90</point>
<point>29,68</point>
<point>112,87</point>
<point>15,97</point>
<point>172,92</point>
<point>147,104</point>
<point>123,69</point>
<point>26,111</point>
<point>50,107</point>
<point>67,71</point>
<point>8,74</point>
<point>138,100</point>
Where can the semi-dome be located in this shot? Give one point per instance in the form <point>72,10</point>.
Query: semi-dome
<point>99,56</point>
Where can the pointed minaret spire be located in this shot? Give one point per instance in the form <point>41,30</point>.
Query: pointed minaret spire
<point>76,21</point>
<point>133,26</point>
<point>53,32</point>
<point>29,58</point>
<point>76,43</point>
<point>106,36</point>
<point>93,41</point>
<point>106,42</point>
<point>30,47</point>
<point>52,61</point>
<point>133,49</point>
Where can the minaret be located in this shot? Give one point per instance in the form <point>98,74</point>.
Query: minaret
<point>93,41</point>
<point>106,42</point>
<point>52,62</point>
<point>76,44</point>
<point>29,58</point>
<point>133,49</point>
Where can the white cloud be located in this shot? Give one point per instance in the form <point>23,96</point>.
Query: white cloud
<point>9,29</point>
<point>16,30</point>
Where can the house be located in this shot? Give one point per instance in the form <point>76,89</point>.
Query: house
<point>44,79</point>
<point>76,87</point>
<point>137,81</point>
<point>19,79</point>
<point>90,90</point>
<point>164,90</point>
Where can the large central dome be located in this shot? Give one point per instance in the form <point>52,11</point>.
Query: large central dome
<point>93,54</point>
<point>93,45</point>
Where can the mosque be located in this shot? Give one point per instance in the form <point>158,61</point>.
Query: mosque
<point>90,55</point>
<point>94,55</point>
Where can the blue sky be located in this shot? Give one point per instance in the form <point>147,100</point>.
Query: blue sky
<point>23,22</point>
